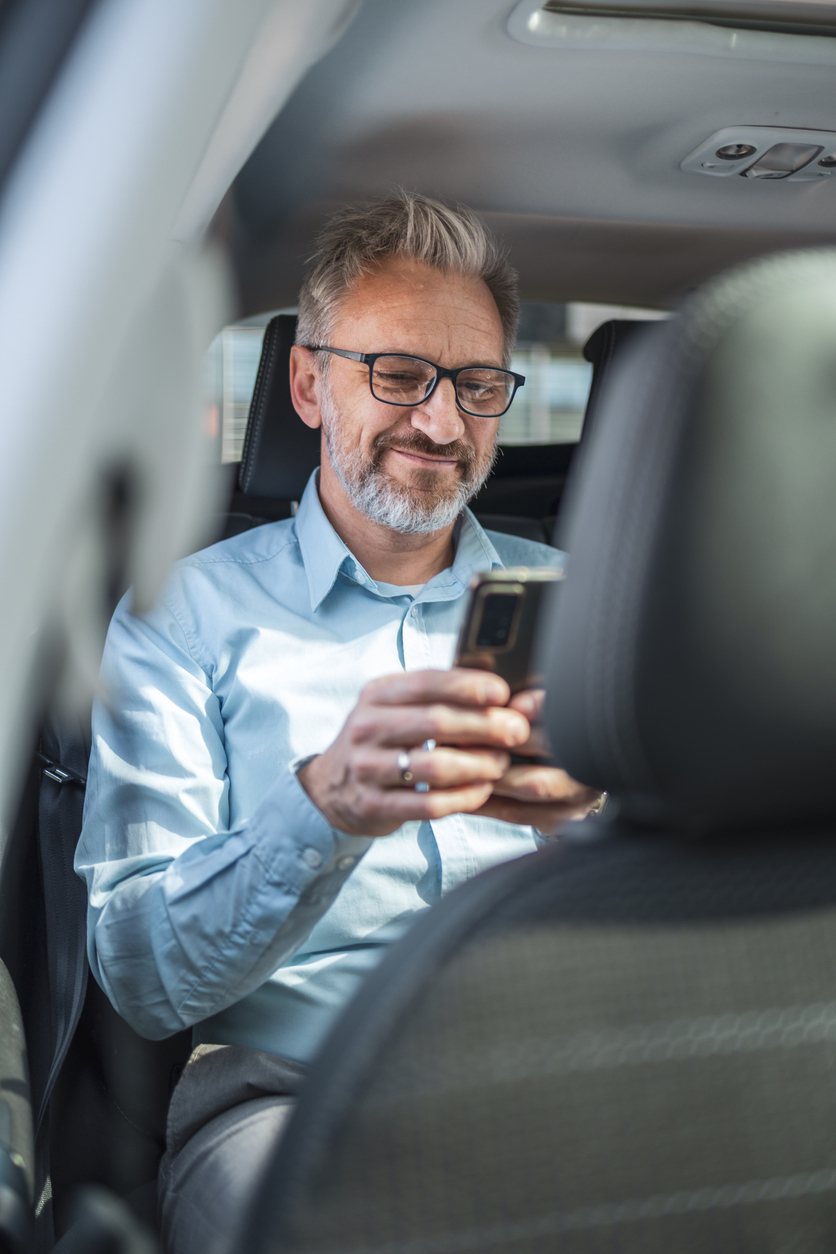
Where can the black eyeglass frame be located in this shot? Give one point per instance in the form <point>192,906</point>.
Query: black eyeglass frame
<point>441,372</point>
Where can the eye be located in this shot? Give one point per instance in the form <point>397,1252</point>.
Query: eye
<point>484,391</point>
<point>473,387</point>
<point>401,379</point>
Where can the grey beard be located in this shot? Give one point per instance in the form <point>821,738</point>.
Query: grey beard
<point>382,499</point>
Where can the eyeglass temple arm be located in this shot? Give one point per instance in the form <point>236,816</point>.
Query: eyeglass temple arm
<point>340,352</point>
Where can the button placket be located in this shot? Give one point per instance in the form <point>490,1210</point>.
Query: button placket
<point>417,653</point>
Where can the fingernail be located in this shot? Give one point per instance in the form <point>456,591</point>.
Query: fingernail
<point>519,730</point>
<point>526,704</point>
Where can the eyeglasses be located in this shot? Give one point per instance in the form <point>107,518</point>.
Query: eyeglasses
<point>397,379</point>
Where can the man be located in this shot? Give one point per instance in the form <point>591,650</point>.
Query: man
<point>272,717</point>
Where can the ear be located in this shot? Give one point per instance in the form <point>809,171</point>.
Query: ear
<point>304,385</point>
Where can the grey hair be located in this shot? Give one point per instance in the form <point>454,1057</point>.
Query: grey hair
<point>449,237</point>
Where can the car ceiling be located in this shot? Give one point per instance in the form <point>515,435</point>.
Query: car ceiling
<point>572,152</point>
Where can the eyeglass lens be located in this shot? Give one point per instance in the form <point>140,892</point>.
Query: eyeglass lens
<point>406,381</point>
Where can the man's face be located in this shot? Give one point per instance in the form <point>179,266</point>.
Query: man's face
<point>412,469</point>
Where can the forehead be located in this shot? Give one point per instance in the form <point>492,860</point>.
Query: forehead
<point>416,308</point>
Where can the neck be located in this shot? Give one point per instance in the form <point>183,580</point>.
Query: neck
<point>391,556</point>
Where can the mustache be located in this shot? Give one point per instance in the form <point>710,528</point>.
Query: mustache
<point>417,442</point>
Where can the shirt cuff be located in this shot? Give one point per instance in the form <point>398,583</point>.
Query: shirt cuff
<point>299,846</point>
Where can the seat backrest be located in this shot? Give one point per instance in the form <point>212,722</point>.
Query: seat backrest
<point>280,451</point>
<point>603,349</point>
<point>625,1042</point>
<point>617,1045</point>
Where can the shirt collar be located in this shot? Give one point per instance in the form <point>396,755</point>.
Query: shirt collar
<point>324,555</point>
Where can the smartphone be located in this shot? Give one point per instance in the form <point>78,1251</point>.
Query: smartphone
<point>499,629</point>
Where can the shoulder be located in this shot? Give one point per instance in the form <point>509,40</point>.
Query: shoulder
<point>516,551</point>
<point>259,544</point>
<point>207,592</point>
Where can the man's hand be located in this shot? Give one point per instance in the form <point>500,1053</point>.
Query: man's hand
<point>540,796</point>
<point>357,783</point>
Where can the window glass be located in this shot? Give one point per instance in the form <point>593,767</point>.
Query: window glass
<point>229,379</point>
<point>550,340</point>
<point>548,410</point>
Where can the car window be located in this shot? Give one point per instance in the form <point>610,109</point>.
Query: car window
<point>550,408</point>
<point>549,352</point>
<point>230,367</point>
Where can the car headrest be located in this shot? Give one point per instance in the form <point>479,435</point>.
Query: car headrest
<point>692,655</point>
<point>279,450</point>
<point>603,347</point>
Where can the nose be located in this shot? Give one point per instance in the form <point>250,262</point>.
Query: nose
<point>439,416</point>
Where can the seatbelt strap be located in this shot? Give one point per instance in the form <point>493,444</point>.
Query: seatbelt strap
<point>60,806</point>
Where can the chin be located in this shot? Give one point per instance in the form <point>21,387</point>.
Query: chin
<point>438,483</point>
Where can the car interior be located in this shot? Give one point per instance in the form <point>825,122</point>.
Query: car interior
<point>623,1042</point>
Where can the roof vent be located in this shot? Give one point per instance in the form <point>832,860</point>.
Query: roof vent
<point>765,152</point>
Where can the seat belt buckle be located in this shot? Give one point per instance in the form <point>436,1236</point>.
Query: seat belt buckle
<point>57,773</point>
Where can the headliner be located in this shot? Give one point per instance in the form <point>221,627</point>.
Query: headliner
<point>571,152</point>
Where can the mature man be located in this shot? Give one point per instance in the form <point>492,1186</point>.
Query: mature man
<point>270,719</point>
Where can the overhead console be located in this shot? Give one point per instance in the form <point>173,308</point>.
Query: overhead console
<point>765,152</point>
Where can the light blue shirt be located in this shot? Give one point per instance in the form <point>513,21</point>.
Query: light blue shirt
<point>219,897</point>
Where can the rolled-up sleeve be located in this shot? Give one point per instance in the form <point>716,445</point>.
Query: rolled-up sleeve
<point>186,916</point>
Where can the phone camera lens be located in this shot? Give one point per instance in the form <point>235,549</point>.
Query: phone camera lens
<point>497,618</point>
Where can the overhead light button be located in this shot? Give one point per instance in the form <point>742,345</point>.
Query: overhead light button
<point>735,152</point>
<point>782,160</point>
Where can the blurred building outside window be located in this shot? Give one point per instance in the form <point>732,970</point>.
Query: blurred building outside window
<point>548,410</point>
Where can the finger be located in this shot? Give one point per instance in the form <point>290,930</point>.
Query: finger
<point>394,806</point>
<point>537,745</point>
<point>442,768</point>
<point>529,703</point>
<point>404,726</point>
<point>546,818</point>
<point>459,686</point>
<point>544,784</point>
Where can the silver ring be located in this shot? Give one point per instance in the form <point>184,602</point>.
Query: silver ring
<point>403,767</point>
<point>428,747</point>
<point>600,804</point>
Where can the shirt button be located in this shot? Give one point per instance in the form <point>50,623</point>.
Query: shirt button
<point>346,863</point>
<point>313,858</point>
<point>414,611</point>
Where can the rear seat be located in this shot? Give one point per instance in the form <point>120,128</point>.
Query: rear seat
<point>603,347</point>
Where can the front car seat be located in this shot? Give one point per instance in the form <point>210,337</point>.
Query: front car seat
<point>627,1042</point>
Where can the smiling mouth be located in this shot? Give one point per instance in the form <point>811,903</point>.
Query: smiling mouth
<point>424,459</point>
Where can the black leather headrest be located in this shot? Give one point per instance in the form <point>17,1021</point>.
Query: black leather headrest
<point>603,347</point>
<point>693,651</point>
<point>279,450</point>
